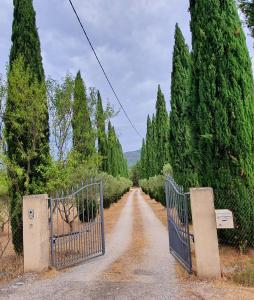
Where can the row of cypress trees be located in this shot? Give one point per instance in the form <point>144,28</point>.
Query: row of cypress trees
<point>154,151</point>
<point>211,135</point>
<point>84,139</point>
<point>27,120</point>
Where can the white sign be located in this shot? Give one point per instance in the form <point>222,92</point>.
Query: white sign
<point>224,219</point>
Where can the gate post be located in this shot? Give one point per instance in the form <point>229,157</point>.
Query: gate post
<point>205,233</point>
<point>35,233</point>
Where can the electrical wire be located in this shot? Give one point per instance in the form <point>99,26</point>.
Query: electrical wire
<point>104,72</point>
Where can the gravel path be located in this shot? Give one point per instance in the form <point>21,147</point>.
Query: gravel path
<point>137,265</point>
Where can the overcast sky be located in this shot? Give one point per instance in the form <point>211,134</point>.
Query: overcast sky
<point>134,40</point>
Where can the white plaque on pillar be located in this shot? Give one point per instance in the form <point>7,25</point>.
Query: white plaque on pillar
<point>224,219</point>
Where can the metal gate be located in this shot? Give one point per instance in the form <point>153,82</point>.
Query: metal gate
<point>76,225</point>
<point>178,223</point>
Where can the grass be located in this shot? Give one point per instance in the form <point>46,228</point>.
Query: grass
<point>244,275</point>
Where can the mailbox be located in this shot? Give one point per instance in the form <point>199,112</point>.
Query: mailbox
<point>224,219</point>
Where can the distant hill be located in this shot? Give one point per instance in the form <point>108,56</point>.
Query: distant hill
<point>132,157</point>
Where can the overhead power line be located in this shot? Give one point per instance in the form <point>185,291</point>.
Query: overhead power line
<point>104,72</point>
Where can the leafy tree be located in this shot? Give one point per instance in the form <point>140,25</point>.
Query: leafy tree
<point>247,7</point>
<point>162,129</point>
<point>179,131</point>
<point>25,130</point>
<point>24,150</point>
<point>60,107</point>
<point>223,111</point>
<point>101,133</point>
<point>83,135</point>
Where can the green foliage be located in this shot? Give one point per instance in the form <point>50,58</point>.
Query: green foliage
<point>114,187</point>
<point>60,106</point>
<point>117,163</point>
<point>144,157</point>
<point>155,148</point>
<point>25,119</point>
<point>167,170</point>
<point>155,188</point>
<point>25,39</point>
<point>162,129</point>
<point>247,7</point>
<point>135,174</point>
<point>26,116</point>
<point>101,133</point>
<point>223,112</point>
<point>83,135</point>
<point>180,138</point>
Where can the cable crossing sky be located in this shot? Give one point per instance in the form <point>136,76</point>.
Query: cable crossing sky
<point>104,72</point>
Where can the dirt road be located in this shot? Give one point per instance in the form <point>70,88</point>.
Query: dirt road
<point>137,265</point>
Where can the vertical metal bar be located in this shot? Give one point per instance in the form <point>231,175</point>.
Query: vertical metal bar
<point>186,196</point>
<point>167,202</point>
<point>102,218</point>
<point>51,233</point>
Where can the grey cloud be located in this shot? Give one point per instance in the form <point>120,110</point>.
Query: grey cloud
<point>134,40</point>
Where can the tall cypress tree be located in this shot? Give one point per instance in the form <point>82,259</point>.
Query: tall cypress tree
<point>26,55</point>
<point>155,169</point>
<point>223,111</point>
<point>247,7</point>
<point>179,130</point>
<point>162,130</point>
<point>143,160</point>
<point>83,136</point>
<point>101,133</point>
<point>117,164</point>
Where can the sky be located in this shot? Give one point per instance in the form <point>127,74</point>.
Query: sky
<point>133,39</point>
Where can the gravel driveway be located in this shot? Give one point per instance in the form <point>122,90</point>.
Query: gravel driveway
<point>137,265</point>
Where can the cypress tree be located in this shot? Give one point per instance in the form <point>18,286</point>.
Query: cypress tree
<point>143,160</point>
<point>179,130</point>
<point>117,164</point>
<point>162,130</point>
<point>113,159</point>
<point>247,7</point>
<point>154,162</point>
<point>222,103</point>
<point>150,161</point>
<point>83,136</point>
<point>101,133</point>
<point>26,53</point>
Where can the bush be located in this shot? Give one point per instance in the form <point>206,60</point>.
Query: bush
<point>155,188</point>
<point>114,188</point>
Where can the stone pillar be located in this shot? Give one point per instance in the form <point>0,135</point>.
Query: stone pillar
<point>35,233</point>
<point>205,233</point>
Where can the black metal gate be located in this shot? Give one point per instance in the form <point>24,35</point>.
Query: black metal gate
<point>178,223</point>
<point>76,225</point>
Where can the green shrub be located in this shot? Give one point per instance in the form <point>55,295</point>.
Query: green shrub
<point>154,187</point>
<point>114,188</point>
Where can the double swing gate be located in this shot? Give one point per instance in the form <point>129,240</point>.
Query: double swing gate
<point>76,225</point>
<point>178,223</point>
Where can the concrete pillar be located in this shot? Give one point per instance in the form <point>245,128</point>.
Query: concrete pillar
<point>205,233</point>
<point>35,233</point>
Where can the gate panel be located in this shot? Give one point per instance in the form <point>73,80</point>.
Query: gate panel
<point>178,223</point>
<point>77,225</point>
